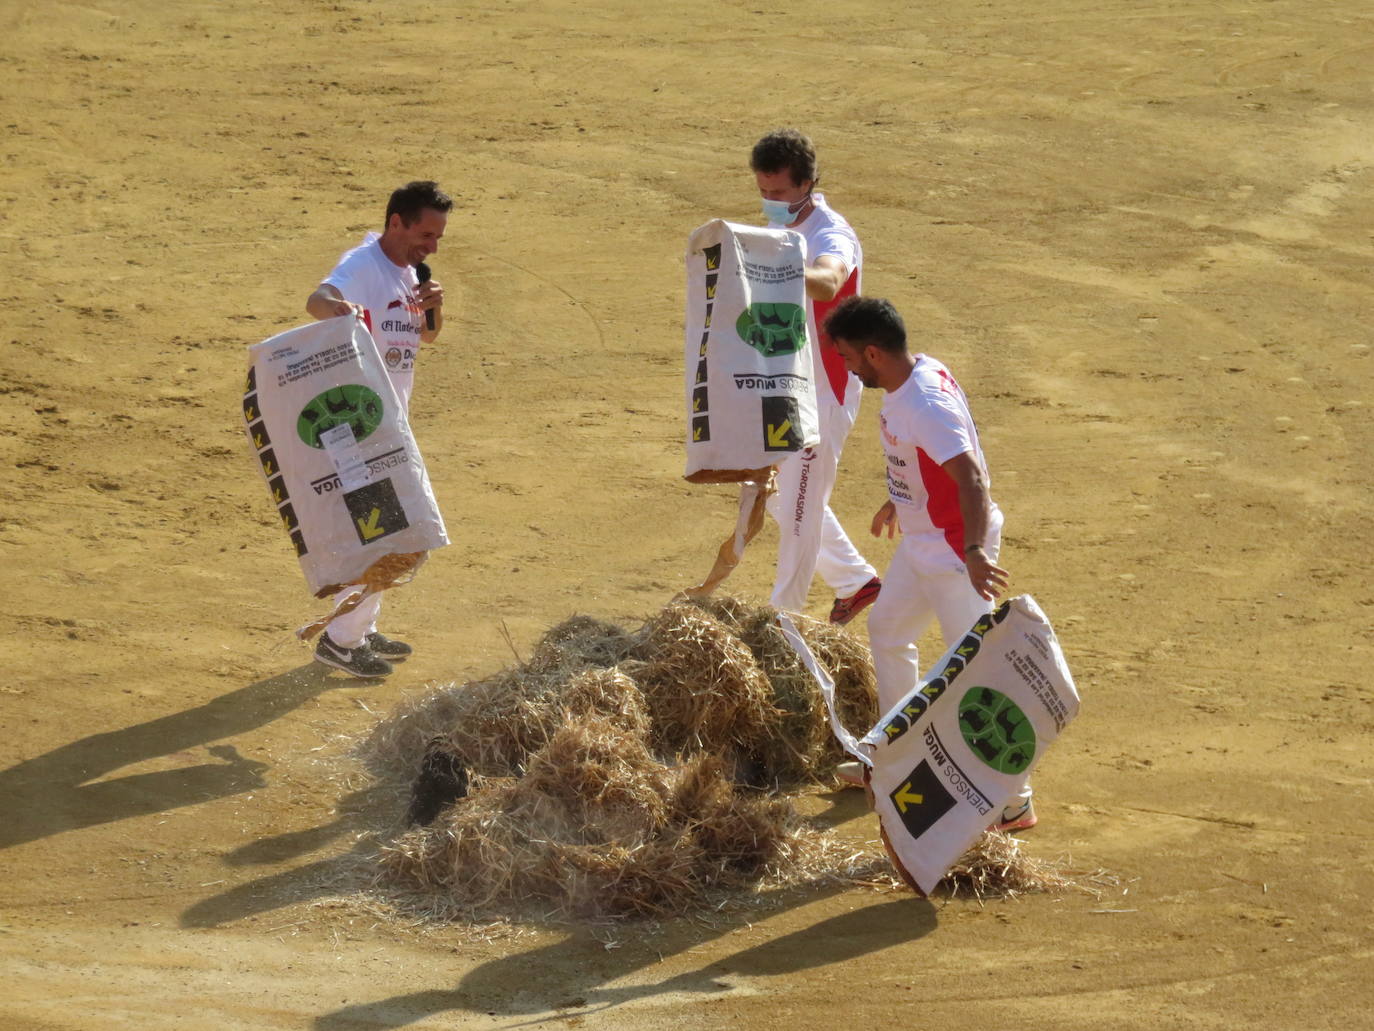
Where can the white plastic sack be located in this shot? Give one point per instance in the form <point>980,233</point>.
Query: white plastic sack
<point>334,446</point>
<point>750,388</point>
<point>949,756</point>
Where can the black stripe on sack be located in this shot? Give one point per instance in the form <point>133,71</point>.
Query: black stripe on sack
<point>934,688</point>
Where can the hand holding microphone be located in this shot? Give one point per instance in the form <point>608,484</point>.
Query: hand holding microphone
<point>422,274</point>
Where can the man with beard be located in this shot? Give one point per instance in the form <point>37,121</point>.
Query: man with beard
<point>939,496</point>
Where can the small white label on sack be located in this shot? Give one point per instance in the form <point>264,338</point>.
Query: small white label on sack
<point>346,456</point>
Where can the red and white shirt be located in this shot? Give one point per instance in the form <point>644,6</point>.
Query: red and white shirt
<point>366,276</point>
<point>828,232</point>
<point>926,422</point>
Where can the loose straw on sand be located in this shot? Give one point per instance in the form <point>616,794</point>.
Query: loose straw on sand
<point>642,773</point>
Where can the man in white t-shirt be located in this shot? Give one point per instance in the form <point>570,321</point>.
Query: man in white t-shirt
<point>811,539</point>
<point>377,282</point>
<point>945,567</point>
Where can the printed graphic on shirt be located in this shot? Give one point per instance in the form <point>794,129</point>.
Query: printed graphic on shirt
<point>376,511</point>
<point>353,403</point>
<point>773,328</point>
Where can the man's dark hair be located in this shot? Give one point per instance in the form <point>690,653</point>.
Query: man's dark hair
<point>862,321</point>
<point>412,198</point>
<point>789,149</point>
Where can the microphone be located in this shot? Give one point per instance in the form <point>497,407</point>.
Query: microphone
<point>422,273</point>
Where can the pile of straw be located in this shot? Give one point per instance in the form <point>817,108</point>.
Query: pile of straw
<point>616,773</point>
<point>612,774</point>
<point>713,676</point>
<point>596,828</point>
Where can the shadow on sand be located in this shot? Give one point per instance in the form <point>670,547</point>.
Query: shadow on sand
<point>54,793</point>
<point>579,972</point>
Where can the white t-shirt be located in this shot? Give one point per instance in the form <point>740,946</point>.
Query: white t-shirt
<point>828,233</point>
<point>366,276</point>
<point>925,423</point>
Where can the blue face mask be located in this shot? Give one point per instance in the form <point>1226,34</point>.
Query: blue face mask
<point>777,212</point>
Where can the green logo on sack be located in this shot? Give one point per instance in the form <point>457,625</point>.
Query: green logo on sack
<point>353,403</point>
<point>773,328</point>
<point>996,730</point>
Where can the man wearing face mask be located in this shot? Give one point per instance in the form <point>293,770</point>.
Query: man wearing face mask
<point>811,538</point>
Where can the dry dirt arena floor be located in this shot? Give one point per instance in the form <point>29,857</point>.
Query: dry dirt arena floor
<point>1139,233</point>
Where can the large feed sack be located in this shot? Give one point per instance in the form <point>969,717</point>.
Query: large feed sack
<point>750,387</point>
<point>333,443</point>
<point>949,756</point>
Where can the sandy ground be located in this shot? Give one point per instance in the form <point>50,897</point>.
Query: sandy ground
<point>1139,234</point>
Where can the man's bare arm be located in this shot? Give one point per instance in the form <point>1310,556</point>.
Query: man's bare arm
<point>327,303</point>
<point>825,278</point>
<point>975,505</point>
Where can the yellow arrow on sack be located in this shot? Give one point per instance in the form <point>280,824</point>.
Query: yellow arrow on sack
<point>777,435</point>
<point>696,433</point>
<point>250,413</point>
<point>370,529</point>
<point>905,796</point>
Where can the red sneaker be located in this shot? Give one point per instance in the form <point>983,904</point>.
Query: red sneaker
<point>1016,818</point>
<point>846,609</point>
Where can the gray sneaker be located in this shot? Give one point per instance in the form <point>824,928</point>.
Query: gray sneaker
<point>386,647</point>
<point>356,662</point>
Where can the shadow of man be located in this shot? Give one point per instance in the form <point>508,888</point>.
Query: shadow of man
<point>53,793</point>
<point>571,974</point>
<point>326,876</point>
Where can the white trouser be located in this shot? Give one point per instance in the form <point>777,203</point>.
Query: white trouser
<point>909,600</point>
<point>810,538</point>
<point>350,629</point>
